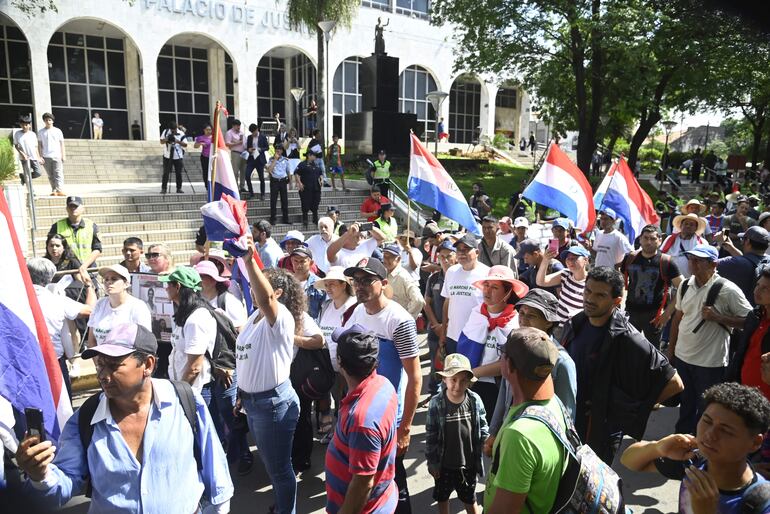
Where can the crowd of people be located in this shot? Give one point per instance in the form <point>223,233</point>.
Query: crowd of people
<point>532,330</point>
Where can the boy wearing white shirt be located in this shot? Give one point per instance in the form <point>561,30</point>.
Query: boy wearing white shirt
<point>51,141</point>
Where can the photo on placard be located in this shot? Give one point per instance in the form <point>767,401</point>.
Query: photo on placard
<point>149,289</point>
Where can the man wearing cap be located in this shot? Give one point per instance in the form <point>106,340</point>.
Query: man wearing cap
<point>740,267</point>
<point>528,462</point>
<point>571,280</point>
<point>700,333</point>
<point>610,245</point>
<point>291,241</point>
<point>560,229</point>
<point>406,291</point>
<point>361,459</point>
<point>493,251</point>
<point>142,456</point>
<point>740,221</point>
<point>530,257</point>
<point>351,247</point>
<point>333,212</point>
<point>386,222</point>
<point>430,242</point>
<point>505,229</point>
<point>25,142</point>
<point>688,229</point>
<point>81,233</point>
<point>307,177</point>
<point>381,173</point>
<point>650,277</point>
<point>459,293</point>
<point>398,354</point>
<point>302,263</point>
<point>370,207</point>
<point>520,228</point>
<point>51,147</point>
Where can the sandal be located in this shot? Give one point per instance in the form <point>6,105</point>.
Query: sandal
<point>326,424</point>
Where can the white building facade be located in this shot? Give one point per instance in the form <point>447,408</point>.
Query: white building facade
<point>141,65</point>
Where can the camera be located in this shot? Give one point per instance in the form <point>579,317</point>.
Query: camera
<point>170,139</point>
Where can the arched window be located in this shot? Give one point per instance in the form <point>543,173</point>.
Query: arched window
<point>464,109</point>
<point>415,82</point>
<point>346,88</point>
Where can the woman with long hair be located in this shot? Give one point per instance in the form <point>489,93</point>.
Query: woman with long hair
<point>487,330</point>
<point>265,349</point>
<point>118,307</point>
<point>58,251</point>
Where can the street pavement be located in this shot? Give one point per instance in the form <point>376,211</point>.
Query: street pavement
<point>647,493</point>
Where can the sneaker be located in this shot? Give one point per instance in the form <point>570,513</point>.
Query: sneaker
<point>326,184</point>
<point>179,191</point>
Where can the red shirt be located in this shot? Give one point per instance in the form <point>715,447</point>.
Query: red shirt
<point>371,205</point>
<point>751,374</point>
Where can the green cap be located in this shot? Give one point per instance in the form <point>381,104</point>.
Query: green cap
<point>184,276</point>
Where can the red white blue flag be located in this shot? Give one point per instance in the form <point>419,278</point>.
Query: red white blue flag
<point>221,168</point>
<point>30,375</point>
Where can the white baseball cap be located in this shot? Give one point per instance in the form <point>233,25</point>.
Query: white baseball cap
<point>521,221</point>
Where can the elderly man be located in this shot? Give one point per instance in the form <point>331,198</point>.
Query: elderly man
<point>688,229</point>
<point>361,460</point>
<point>493,251</point>
<point>56,309</point>
<point>151,444</point>
<point>81,233</point>
<point>319,243</point>
<point>708,308</point>
<point>406,291</point>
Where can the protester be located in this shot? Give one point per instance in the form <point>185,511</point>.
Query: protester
<point>411,256</point>
<point>319,243</point>
<point>280,173</point>
<point>740,267</point>
<point>291,241</point>
<point>520,229</point>
<point>386,223</point>
<point>620,375</point>
<point>81,233</point>
<point>136,418</point>
<point>650,278</point>
<point>267,247</point>
<point>302,262</point>
<point>528,462</point>
<point>57,250</point>
<point>716,218</point>
<point>455,432</point>
<point>215,290</point>
<point>307,176</point>
<point>493,251</point>
<point>235,139</point>
<point>360,463</point>
<point>571,280</point>
<point>505,229</point>
<point>406,291</point>
<point>26,144</point>
<point>688,229</point>
<point>204,143</point>
<point>370,207</point>
<point>560,229</point>
<point>610,244</point>
<point>480,201</point>
<point>52,153</point>
<point>133,251</point>
<point>173,141</point>
<point>159,258</point>
<point>740,221</point>
<point>701,329</point>
<point>264,353</point>
<point>530,256</point>
<point>398,354</point>
<point>118,307</point>
<point>460,296</point>
<point>352,246</point>
<point>713,466</point>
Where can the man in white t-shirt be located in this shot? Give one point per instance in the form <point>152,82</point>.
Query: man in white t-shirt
<point>352,246</point>
<point>319,243</point>
<point>25,142</point>
<point>51,146</point>
<point>398,353</point>
<point>97,123</point>
<point>610,244</point>
<point>461,296</point>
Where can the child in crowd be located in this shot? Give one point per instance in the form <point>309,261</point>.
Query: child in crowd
<point>713,465</point>
<point>455,433</point>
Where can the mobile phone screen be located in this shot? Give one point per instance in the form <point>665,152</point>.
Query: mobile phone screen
<point>553,245</point>
<point>34,419</point>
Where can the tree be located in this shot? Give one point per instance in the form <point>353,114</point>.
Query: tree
<point>308,13</point>
<point>33,7</point>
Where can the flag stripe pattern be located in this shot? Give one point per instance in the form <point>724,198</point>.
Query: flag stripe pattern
<point>30,375</point>
<point>224,177</point>
<point>562,186</point>
<point>431,185</point>
<point>626,197</point>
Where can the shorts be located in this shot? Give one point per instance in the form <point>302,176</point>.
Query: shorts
<point>461,480</point>
<point>337,170</point>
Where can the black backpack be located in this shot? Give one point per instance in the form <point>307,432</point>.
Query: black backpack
<point>222,358</point>
<point>711,298</point>
<point>186,397</point>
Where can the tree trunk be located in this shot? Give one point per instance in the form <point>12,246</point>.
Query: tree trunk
<point>319,84</point>
<point>645,126</point>
<point>756,130</point>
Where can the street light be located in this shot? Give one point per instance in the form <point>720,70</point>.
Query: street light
<point>667,125</point>
<point>297,93</point>
<point>436,98</point>
<point>327,27</point>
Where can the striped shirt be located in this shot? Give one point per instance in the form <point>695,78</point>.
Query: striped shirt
<point>570,297</point>
<point>364,443</point>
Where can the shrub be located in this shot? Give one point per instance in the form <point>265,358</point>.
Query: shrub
<point>7,161</point>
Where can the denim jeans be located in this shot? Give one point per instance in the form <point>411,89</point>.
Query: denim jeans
<point>273,416</point>
<point>221,401</point>
<point>696,380</point>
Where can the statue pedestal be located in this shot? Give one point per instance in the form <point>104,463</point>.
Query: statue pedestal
<point>379,83</point>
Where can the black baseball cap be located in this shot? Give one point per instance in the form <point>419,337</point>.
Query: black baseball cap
<point>468,240</point>
<point>355,343</point>
<point>74,199</point>
<point>332,208</point>
<point>302,251</point>
<point>527,246</point>
<point>124,339</point>
<point>370,265</point>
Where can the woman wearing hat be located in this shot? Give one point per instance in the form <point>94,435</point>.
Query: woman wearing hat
<point>571,280</point>
<point>487,330</point>
<point>194,332</point>
<point>117,307</point>
<point>215,290</point>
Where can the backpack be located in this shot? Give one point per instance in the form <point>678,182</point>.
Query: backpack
<point>222,358</point>
<point>711,298</point>
<point>186,397</point>
<point>588,484</point>
<point>664,265</point>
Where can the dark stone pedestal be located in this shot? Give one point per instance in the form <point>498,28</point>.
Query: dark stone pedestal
<point>379,83</point>
<point>370,131</point>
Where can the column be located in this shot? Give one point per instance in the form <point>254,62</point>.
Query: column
<point>151,121</point>
<point>217,88</point>
<point>245,73</point>
<point>133,83</point>
<point>41,90</point>
<point>291,105</point>
<point>487,112</point>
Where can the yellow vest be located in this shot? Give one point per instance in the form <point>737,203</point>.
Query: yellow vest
<point>80,241</point>
<point>389,229</point>
<point>381,170</point>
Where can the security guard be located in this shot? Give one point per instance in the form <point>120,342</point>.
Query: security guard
<point>81,234</point>
<point>382,173</point>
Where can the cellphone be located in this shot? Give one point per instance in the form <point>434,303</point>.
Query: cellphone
<point>726,232</point>
<point>365,227</point>
<point>553,245</point>
<point>34,419</point>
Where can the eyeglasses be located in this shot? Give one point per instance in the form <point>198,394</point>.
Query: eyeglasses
<point>365,281</point>
<point>153,255</point>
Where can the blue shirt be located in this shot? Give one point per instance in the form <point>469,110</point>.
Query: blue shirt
<point>282,169</point>
<point>270,253</point>
<point>740,270</point>
<point>315,297</point>
<point>167,479</point>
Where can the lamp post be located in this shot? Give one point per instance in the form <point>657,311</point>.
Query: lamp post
<point>667,125</point>
<point>297,93</point>
<point>436,98</point>
<point>326,27</point>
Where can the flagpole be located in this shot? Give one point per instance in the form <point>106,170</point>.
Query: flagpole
<point>213,152</point>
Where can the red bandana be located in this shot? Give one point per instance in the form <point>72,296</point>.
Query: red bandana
<point>502,320</point>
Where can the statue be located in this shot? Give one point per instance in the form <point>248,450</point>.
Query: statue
<point>379,41</point>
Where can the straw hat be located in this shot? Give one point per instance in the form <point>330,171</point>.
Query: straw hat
<point>695,201</point>
<point>692,216</point>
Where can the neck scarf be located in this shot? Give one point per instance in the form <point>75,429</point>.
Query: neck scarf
<point>502,320</point>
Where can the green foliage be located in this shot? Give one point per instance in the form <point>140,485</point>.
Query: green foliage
<point>7,161</point>
<point>501,141</point>
<point>650,155</point>
<point>737,136</point>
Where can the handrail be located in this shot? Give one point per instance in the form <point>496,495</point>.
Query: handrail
<point>416,210</point>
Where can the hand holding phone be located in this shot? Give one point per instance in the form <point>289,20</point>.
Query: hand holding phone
<point>553,246</point>
<point>34,419</point>
<point>365,227</point>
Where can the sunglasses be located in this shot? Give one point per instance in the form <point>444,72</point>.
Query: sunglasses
<point>365,281</point>
<point>153,255</point>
